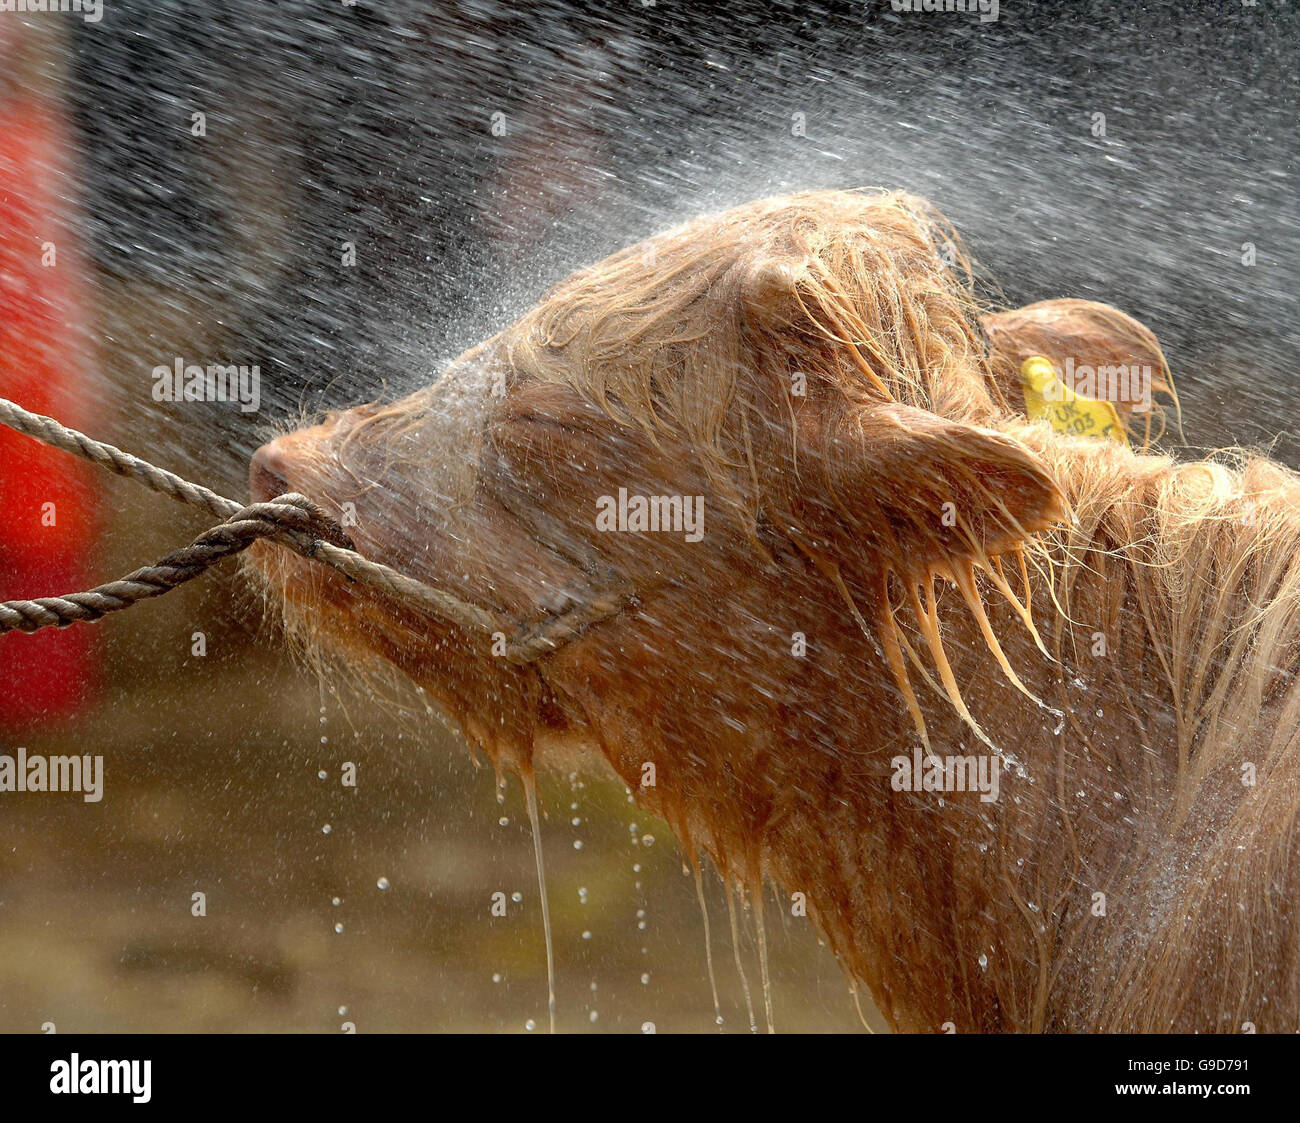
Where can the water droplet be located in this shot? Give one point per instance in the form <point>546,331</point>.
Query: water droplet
<point>575,822</point>
<point>645,979</point>
<point>322,774</point>
<point>647,840</point>
<point>383,883</point>
<point>516,897</point>
<point>326,829</point>
<point>343,1011</point>
<point>504,821</point>
<point>530,1025</point>
<point>647,1027</point>
<point>593,1016</point>
<point>496,978</point>
<point>984,962</point>
<point>336,901</point>
<point>636,867</point>
<point>577,844</point>
<point>338,929</point>
<point>586,935</point>
<point>582,895</point>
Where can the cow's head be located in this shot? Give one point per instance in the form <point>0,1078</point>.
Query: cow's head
<point>769,439</point>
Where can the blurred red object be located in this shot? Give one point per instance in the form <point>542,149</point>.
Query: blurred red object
<point>47,506</point>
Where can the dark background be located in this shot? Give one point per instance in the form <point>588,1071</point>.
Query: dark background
<point>371,124</point>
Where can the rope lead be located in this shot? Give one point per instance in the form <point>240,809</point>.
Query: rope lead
<point>292,521</point>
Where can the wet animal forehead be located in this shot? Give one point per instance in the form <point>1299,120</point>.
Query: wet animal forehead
<point>426,446</point>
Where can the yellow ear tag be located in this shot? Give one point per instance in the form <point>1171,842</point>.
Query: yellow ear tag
<point>1047,396</point>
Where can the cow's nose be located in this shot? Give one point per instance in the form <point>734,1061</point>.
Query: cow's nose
<point>267,473</point>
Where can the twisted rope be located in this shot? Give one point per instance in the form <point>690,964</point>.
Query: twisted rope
<point>292,521</point>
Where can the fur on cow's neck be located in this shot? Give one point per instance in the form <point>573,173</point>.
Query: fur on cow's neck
<point>1125,878</point>
<point>1123,856</point>
<point>1127,853</point>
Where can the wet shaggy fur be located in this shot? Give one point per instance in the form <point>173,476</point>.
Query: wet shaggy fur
<point>893,557</point>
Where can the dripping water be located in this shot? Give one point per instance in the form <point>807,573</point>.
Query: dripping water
<point>853,990</point>
<point>708,947</point>
<point>740,967</point>
<point>765,975</point>
<point>530,793</point>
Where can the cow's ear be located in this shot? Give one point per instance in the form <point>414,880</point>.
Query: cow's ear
<point>921,495</point>
<point>1084,330</point>
<point>1087,334</point>
<point>928,494</point>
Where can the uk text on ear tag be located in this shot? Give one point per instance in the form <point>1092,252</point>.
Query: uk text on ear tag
<point>1047,396</point>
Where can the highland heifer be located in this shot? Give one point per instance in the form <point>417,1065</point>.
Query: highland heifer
<point>905,594</point>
